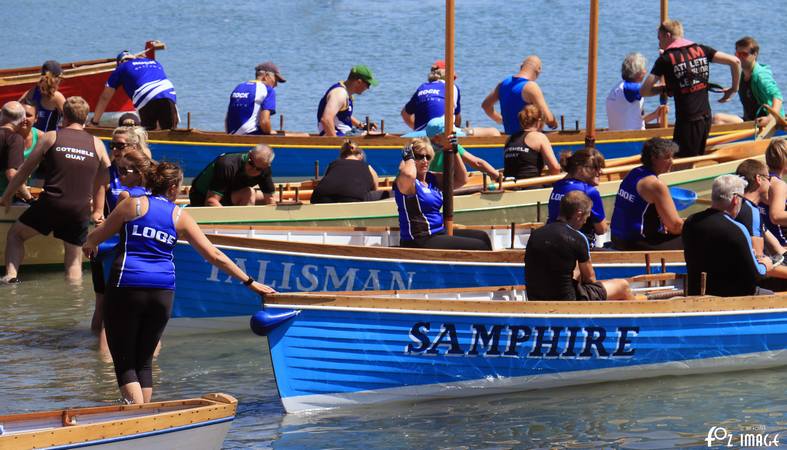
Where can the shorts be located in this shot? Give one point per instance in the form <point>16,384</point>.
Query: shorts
<point>45,221</point>
<point>198,199</point>
<point>159,113</point>
<point>691,135</point>
<point>590,291</point>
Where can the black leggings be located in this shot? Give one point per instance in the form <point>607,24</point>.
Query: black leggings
<point>134,319</point>
<point>463,239</point>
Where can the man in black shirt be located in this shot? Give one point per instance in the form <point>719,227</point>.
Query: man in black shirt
<point>685,67</point>
<point>229,180</point>
<point>555,250</point>
<point>716,244</point>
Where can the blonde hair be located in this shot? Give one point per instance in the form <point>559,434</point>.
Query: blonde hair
<point>529,116</point>
<point>776,155</point>
<point>422,145</point>
<point>139,136</point>
<point>435,74</point>
<point>75,110</point>
<point>673,27</point>
<point>47,84</point>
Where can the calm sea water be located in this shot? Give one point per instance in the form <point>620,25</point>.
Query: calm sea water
<point>212,46</point>
<point>48,358</point>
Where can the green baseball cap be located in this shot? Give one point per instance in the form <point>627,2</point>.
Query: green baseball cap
<point>364,73</point>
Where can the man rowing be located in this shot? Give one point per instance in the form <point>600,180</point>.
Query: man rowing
<point>254,102</point>
<point>685,67</point>
<point>335,111</point>
<point>514,93</point>
<point>557,259</point>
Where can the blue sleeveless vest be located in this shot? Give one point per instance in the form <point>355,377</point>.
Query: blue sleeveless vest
<point>511,102</point>
<point>628,217</point>
<point>419,214</point>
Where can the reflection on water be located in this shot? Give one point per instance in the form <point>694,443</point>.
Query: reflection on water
<point>49,359</point>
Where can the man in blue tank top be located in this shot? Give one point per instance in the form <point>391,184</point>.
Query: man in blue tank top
<point>151,91</point>
<point>428,101</point>
<point>254,102</point>
<point>335,111</point>
<point>514,93</point>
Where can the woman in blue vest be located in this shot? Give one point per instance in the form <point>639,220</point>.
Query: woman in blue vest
<point>645,217</point>
<point>419,199</point>
<point>582,174</point>
<point>46,98</point>
<point>142,280</point>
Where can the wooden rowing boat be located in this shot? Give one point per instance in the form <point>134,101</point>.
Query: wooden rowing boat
<point>309,156</point>
<point>191,424</point>
<point>359,260</point>
<point>483,208</point>
<point>332,350</point>
<point>83,78</point>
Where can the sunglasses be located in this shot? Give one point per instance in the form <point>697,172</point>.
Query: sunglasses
<point>745,52</point>
<point>123,171</point>
<point>421,157</point>
<point>251,164</point>
<point>118,145</point>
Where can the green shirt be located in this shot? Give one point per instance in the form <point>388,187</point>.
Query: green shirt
<point>437,162</point>
<point>763,86</point>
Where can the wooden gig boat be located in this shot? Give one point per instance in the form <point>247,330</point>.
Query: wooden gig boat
<point>334,350</point>
<point>192,424</point>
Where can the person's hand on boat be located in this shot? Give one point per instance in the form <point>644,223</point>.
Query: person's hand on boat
<point>765,261</point>
<point>763,122</point>
<point>261,289</point>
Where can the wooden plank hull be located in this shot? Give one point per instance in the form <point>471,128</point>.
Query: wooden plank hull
<point>342,351</point>
<point>190,424</point>
<point>83,78</point>
<point>39,251</point>
<point>296,156</point>
<point>208,300</point>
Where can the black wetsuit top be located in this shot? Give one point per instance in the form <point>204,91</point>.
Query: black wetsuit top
<point>345,180</point>
<point>716,244</point>
<point>550,257</point>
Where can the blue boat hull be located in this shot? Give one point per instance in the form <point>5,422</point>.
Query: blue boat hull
<point>330,357</point>
<point>203,291</point>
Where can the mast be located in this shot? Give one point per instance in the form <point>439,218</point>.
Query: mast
<point>590,131</point>
<point>663,119</point>
<point>448,152</point>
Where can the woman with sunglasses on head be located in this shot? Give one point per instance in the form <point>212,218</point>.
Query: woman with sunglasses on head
<point>142,279</point>
<point>45,96</point>
<point>582,174</point>
<point>419,199</point>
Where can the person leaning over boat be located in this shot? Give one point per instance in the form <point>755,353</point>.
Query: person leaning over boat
<point>76,166</point>
<point>582,174</point>
<point>12,146</point>
<point>685,67</point>
<point>45,96</point>
<point>148,87</point>
<point>254,102</point>
<point>554,253</point>
<point>229,179</point>
<point>348,179</point>
<point>514,93</point>
<point>419,199</point>
<point>527,150</point>
<point>645,217</point>
<point>142,279</point>
<point>757,87</point>
<point>335,111</point>
<point>716,244</point>
<point>625,105</point>
<point>435,131</point>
